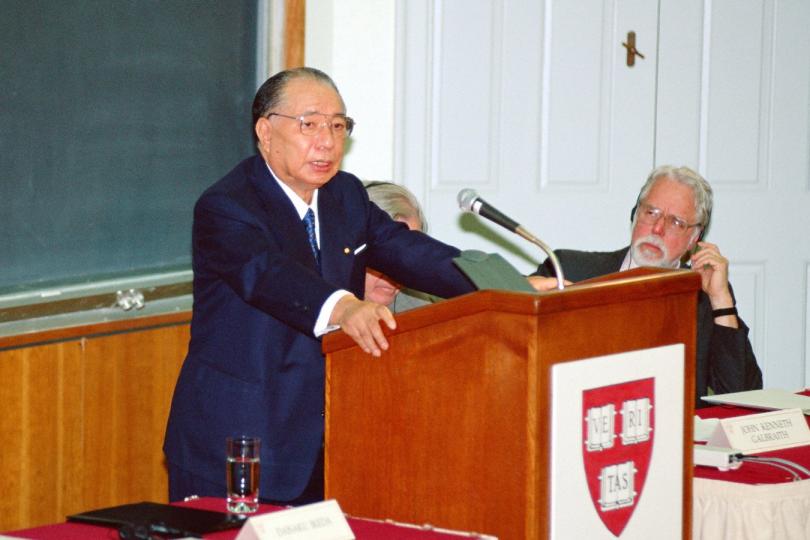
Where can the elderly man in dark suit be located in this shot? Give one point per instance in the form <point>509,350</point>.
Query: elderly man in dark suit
<point>280,249</point>
<point>671,214</point>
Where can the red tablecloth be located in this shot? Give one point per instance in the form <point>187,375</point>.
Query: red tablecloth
<point>749,473</point>
<point>753,473</point>
<point>363,529</point>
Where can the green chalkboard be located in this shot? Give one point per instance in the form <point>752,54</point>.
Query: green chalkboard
<point>114,116</point>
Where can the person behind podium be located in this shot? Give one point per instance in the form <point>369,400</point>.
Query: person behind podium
<point>669,220</point>
<point>402,206</point>
<point>280,247</point>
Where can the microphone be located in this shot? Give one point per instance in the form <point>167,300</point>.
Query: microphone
<point>469,201</point>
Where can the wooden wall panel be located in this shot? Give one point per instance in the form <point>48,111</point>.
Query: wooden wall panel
<point>83,422</point>
<point>129,382</point>
<point>41,432</point>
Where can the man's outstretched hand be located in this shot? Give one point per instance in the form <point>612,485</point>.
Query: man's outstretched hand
<point>361,321</point>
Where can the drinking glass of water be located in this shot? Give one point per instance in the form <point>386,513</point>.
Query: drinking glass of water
<point>242,474</point>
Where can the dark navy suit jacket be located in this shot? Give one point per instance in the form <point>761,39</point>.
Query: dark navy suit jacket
<point>254,366</point>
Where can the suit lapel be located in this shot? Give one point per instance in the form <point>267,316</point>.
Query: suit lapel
<point>336,247</point>
<point>280,215</point>
<point>616,259</point>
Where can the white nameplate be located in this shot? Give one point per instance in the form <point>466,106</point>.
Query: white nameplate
<point>755,433</point>
<point>317,521</point>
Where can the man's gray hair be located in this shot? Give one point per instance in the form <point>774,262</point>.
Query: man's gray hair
<point>396,201</point>
<point>701,189</point>
<point>271,94</point>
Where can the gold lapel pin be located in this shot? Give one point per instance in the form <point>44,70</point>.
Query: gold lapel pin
<point>346,251</point>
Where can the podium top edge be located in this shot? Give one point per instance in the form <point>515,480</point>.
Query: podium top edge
<point>626,286</point>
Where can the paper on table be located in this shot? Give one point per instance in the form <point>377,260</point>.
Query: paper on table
<point>768,399</point>
<point>704,428</point>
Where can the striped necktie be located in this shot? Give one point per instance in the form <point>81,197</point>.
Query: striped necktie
<point>309,223</point>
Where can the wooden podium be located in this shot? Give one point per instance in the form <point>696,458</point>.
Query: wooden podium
<point>450,426</point>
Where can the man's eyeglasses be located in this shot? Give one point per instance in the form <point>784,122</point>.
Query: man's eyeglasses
<point>340,125</point>
<point>649,215</point>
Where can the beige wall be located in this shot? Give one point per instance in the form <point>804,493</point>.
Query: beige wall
<point>353,41</point>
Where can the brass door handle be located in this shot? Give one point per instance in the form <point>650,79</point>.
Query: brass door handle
<point>632,52</point>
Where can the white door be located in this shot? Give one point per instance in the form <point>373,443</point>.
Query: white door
<point>533,105</point>
<point>530,104</point>
<point>733,99</point>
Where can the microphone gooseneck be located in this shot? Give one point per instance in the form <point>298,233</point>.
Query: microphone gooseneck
<point>469,201</point>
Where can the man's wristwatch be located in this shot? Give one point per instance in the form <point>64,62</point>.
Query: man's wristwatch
<point>724,311</point>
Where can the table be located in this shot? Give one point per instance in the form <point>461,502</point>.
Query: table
<point>364,529</point>
<point>755,502</point>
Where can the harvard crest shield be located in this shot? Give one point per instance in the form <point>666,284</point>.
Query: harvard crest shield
<point>617,442</point>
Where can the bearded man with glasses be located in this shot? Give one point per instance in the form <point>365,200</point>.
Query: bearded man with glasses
<point>669,220</point>
<point>280,247</point>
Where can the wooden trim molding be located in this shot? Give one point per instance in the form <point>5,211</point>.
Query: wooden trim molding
<point>95,329</point>
<point>294,33</point>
